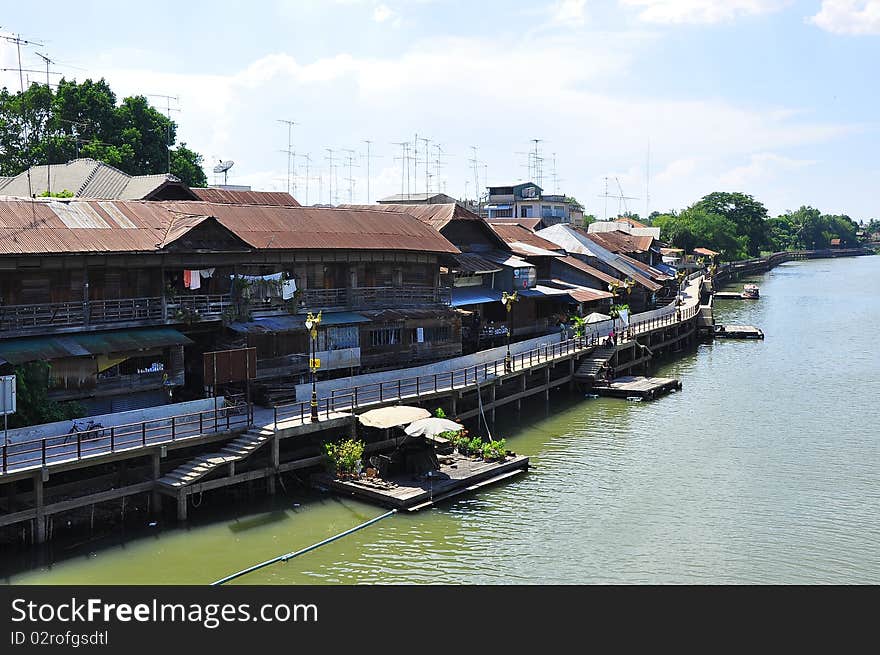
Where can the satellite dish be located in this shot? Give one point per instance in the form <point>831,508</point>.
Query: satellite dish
<point>223,167</point>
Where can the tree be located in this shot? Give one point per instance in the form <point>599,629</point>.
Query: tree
<point>587,219</point>
<point>33,405</point>
<point>84,120</point>
<point>747,214</point>
<point>696,227</point>
<point>187,165</point>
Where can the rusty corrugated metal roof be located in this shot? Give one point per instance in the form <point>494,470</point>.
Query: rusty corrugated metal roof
<point>621,242</point>
<point>574,262</point>
<point>437,216</point>
<point>51,227</point>
<point>230,196</point>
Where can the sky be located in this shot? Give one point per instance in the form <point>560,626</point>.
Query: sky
<point>657,101</point>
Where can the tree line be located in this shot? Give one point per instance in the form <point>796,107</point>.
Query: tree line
<point>739,227</point>
<point>44,125</point>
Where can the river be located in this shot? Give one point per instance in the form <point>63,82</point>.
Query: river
<point>765,468</point>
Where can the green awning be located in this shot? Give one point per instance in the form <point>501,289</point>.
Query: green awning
<point>31,349</point>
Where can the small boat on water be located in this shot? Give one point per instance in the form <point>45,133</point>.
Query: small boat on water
<point>750,292</point>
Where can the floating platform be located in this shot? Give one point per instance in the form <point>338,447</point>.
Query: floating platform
<point>737,332</point>
<point>637,387</point>
<point>731,295</point>
<point>457,475</point>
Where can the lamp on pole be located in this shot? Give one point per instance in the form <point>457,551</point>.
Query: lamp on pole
<point>312,323</point>
<point>680,277</point>
<point>508,299</point>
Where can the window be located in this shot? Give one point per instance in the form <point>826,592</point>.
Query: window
<point>437,333</point>
<point>501,213</point>
<point>525,211</point>
<point>385,337</point>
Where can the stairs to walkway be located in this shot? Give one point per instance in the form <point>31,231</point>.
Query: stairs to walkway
<point>238,449</point>
<point>590,366</point>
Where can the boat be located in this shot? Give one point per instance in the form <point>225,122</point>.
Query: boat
<point>750,292</point>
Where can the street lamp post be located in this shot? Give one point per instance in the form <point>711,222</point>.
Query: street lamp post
<point>508,299</point>
<point>616,288</point>
<point>312,323</point>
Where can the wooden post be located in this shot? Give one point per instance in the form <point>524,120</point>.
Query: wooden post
<point>571,373</point>
<point>155,496</point>
<point>454,404</point>
<point>547,384</point>
<point>181,505</point>
<point>274,457</point>
<point>522,388</point>
<point>39,506</point>
<point>492,392</point>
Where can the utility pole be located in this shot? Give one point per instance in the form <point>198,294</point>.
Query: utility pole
<point>289,150</point>
<point>168,110</point>
<point>48,61</point>
<point>308,159</point>
<point>330,173</point>
<point>368,142</point>
<point>427,164</point>
<point>475,162</point>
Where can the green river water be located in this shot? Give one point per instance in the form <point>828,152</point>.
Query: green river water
<point>765,468</point>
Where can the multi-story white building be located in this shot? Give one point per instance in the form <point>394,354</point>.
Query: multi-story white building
<point>528,200</point>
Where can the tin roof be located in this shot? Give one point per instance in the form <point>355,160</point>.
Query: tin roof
<point>49,226</point>
<point>621,242</point>
<point>514,235</point>
<point>87,178</point>
<point>231,196</point>
<point>29,349</point>
<point>574,262</point>
<point>712,253</point>
<point>437,216</point>
<point>474,264</point>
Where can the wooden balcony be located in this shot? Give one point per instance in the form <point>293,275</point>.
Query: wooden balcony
<point>374,298</point>
<point>72,316</point>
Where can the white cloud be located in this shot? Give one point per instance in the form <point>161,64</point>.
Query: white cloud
<point>848,16</point>
<point>571,13</point>
<point>382,13</point>
<point>762,167</point>
<point>701,11</point>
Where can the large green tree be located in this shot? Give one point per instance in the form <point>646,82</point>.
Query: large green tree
<point>695,227</point>
<point>85,120</point>
<point>747,214</point>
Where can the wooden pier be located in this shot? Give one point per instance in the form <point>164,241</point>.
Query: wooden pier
<point>738,332</point>
<point>730,295</point>
<point>643,388</point>
<point>457,475</point>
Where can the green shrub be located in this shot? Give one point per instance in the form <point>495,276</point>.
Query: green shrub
<point>439,413</point>
<point>475,446</point>
<point>345,456</point>
<point>494,449</point>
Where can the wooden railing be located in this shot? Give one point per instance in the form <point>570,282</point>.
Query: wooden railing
<point>356,397</point>
<point>107,312</point>
<point>98,440</point>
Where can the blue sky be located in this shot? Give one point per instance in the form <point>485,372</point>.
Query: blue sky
<point>777,98</point>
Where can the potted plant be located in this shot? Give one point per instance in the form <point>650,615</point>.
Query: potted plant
<point>345,457</point>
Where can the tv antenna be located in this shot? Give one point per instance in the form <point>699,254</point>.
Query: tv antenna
<point>290,153</point>
<point>308,159</point>
<point>330,174</point>
<point>475,163</point>
<point>350,178</point>
<point>404,163</point>
<point>621,199</point>
<point>168,110</point>
<point>223,167</point>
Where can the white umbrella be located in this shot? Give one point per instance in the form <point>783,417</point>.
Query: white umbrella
<point>596,317</point>
<point>431,427</point>
<point>390,417</point>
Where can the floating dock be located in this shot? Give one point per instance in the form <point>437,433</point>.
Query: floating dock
<point>738,332</point>
<point>642,388</point>
<point>730,295</point>
<point>457,475</point>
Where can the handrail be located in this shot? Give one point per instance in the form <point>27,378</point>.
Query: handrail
<point>99,440</point>
<point>348,398</point>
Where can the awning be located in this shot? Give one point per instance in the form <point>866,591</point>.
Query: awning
<point>290,323</point>
<point>541,291</point>
<point>506,259</point>
<point>499,207</point>
<point>474,264</point>
<point>462,296</point>
<point>31,349</point>
<point>706,252</point>
<point>669,270</point>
